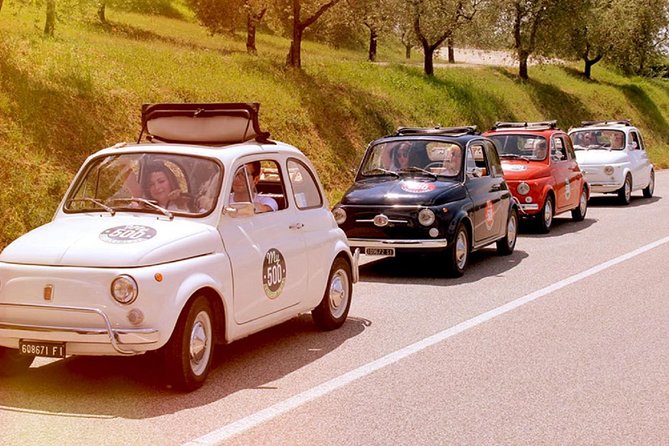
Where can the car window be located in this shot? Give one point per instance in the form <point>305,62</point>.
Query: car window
<point>306,192</point>
<point>642,145</point>
<point>635,140</point>
<point>530,147</point>
<point>259,182</point>
<point>570,148</point>
<point>476,161</point>
<point>493,159</point>
<point>394,157</point>
<point>558,151</point>
<point>141,182</point>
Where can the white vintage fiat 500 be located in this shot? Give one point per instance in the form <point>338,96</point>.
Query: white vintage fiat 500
<point>613,157</point>
<point>204,235</point>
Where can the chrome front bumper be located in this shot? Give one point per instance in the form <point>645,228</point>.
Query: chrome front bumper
<point>120,339</point>
<point>412,244</point>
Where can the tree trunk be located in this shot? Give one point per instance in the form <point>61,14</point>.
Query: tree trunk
<point>251,35</point>
<point>587,69</point>
<point>102,5</point>
<point>294,55</point>
<point>50,24</point>
<point>407,52</point>
<point>373,36</point>
<point>522,68</point>
<point>429,63</point>
<point>1,4</point>
<point>451,52</point>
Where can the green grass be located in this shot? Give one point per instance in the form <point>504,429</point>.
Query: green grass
<point>63,98</point>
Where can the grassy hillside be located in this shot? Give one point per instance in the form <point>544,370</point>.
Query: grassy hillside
<point>63,98</point>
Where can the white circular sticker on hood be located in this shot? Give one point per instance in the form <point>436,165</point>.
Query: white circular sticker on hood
<point>127,234</point>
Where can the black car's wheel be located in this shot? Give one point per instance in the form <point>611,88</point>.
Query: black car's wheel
<point>544,218</point>
<point>189,351</point>
<point>648,190</point>
<point>625,192</point>
<point>506,245</point>
<point>578,213</point>
<point>331,313</point>
<point>11,363</point>
<point>457,255</point>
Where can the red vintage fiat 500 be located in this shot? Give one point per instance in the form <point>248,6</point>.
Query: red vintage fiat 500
<point>541,170</point>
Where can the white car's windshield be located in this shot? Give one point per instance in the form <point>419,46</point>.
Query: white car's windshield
<point>526,147</point>
<point>415,157</point>
<point>598,139</point>
<point>140,182</point>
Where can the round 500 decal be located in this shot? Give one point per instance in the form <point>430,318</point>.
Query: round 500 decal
<point>127,234</point>
<point>273,273</point>
<point>417,187</point>
<point>489,215</point>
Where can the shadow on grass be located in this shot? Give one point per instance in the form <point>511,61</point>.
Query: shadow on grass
<point>142,35</point>
<point>566,108</point>
<point>651,116</point>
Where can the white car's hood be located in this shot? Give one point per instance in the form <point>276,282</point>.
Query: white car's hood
<point>601,156</point>
<point>112,242</point>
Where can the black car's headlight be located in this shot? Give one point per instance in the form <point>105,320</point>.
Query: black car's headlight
<point>426,217</point>
<point>339,215</point>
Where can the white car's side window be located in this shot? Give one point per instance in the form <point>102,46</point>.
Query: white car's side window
<point>305,190</point>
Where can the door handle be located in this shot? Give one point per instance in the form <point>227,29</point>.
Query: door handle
<point>296,226</point>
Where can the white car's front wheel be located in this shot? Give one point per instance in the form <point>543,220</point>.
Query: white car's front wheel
<point>625,192</point>
<point>189,352</point>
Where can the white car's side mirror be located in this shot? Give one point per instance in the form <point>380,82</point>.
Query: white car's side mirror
<point>243,209</point>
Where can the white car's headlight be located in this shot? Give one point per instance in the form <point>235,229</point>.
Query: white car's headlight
<point>608,170</point>
<point>124,289</point>
<point>339,215</point>
<point>523,188</point>
<point>426,217</point>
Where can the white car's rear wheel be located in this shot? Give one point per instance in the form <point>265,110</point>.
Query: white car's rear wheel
<point>625,192</point>
<point>331,313</point>
<point>648,191</point>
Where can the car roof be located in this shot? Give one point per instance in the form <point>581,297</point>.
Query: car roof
<point>460,135</point>
<point>542,128</point>
<point>621,124</point>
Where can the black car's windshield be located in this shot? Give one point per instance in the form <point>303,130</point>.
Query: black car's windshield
<point>598,139</point>
<point>415,157</point>
<point>525,147</point>
<point>141,182</point>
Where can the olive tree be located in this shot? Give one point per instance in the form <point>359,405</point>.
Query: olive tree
<point>434,21</point>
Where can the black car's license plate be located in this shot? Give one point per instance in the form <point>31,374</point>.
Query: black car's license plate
<point>380,252</point>
<point>40,348</point>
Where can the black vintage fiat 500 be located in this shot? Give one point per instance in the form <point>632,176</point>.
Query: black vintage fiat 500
<point>430,190</point>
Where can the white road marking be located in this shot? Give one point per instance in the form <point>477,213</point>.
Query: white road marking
<point>220,435</point>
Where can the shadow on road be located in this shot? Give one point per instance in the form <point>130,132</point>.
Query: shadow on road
<point>611,201</point>
<point>115,387</point>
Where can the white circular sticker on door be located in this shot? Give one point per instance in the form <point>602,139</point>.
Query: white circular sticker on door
<point>567,189</point>
<point>127,234</point>
<point>273,273</point>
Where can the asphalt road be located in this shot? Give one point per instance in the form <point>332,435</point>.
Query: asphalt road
<point>563,342</point>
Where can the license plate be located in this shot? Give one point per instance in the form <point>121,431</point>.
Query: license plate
<point>39,348</point>
<point>380,252</point>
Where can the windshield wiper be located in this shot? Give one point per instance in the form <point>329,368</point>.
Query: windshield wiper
<point>514,156</point>
<point>382,171</point>
<point>414,169</point>
<point>94,201</point>
<point>146,202</point>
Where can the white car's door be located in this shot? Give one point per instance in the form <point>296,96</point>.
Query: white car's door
<point>639,159</point>
<point>269,261</point>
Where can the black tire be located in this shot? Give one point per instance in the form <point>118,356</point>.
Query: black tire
<point>544,219</point>
<point>332,311</point>
<point>506,245</point>
<point>189,352</point>
<point>457,255</point>
<point>648,190</point>
<point>578,213</point>
<point>11,363</point>
<point>625,192</point>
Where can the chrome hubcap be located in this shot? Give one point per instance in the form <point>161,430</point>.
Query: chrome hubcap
<point>628,189</point>
<point>548,213</point>
<point>461,249</point>
<point>199,343</point>
<point>511,230</point>
<point>338,293</point>
<point>584,203</point>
